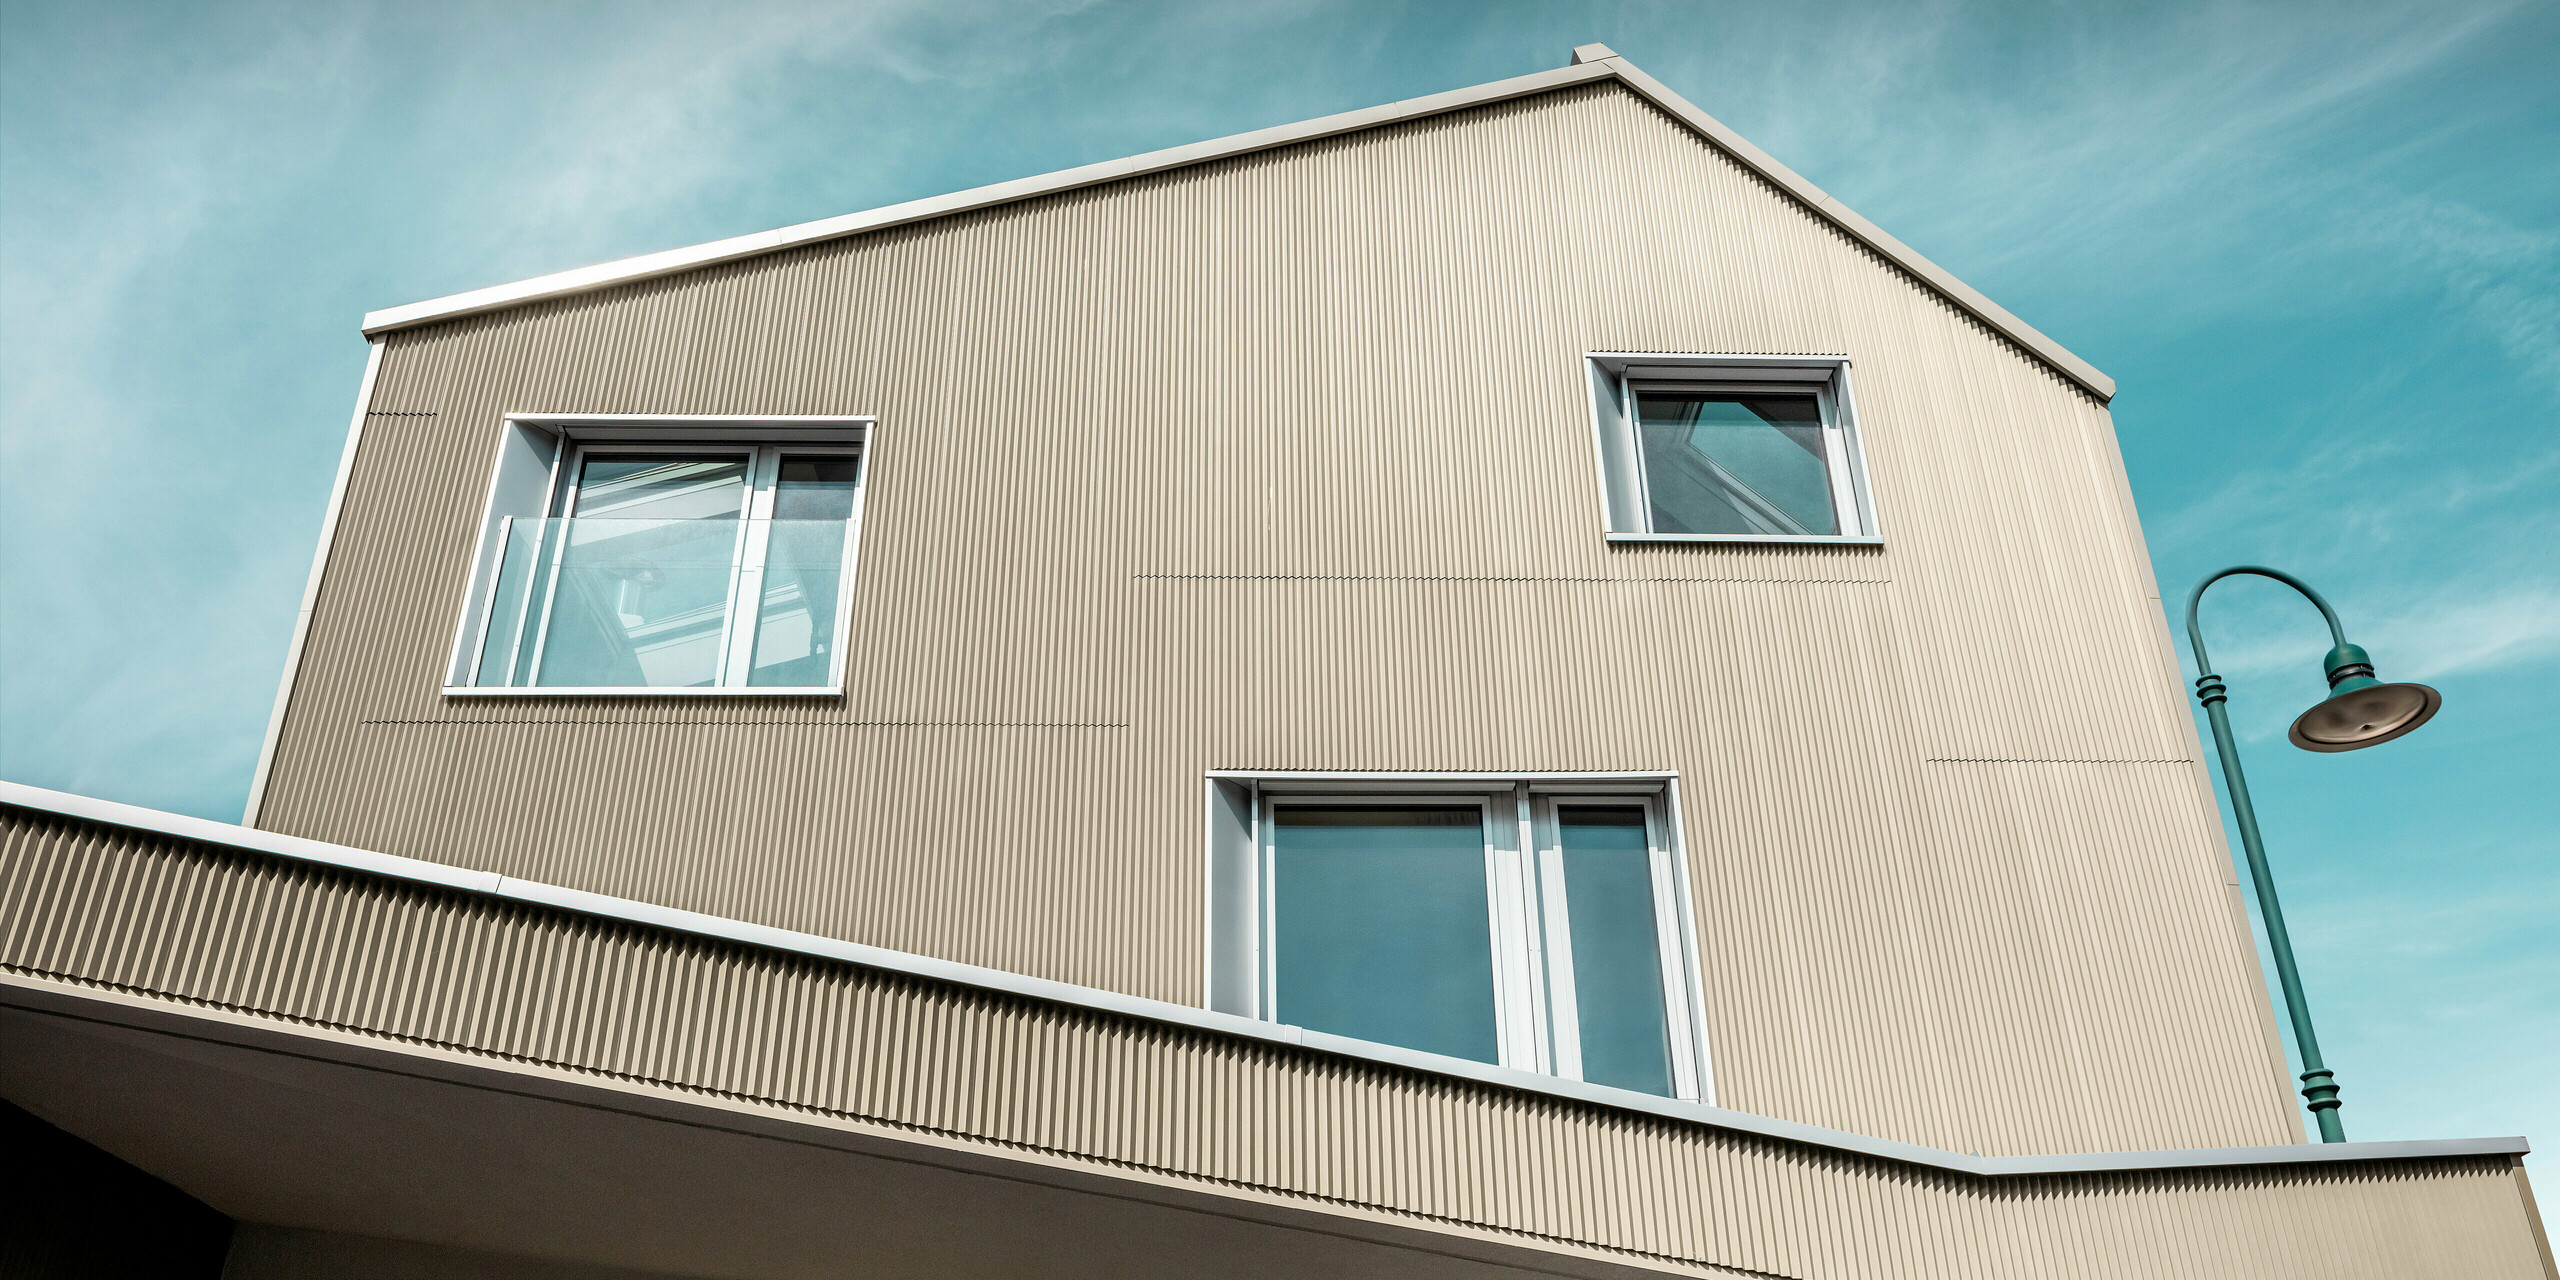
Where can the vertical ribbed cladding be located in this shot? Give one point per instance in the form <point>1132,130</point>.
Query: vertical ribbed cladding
<point>2420,1217</point>
<point>1284,462</point>
<point>200,923</point>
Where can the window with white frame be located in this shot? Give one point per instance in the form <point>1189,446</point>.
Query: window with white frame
<point>1531,923</point>
<point>1729,449</point>
<point>649,554</point>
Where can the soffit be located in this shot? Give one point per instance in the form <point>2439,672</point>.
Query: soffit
<point>328,1133</point>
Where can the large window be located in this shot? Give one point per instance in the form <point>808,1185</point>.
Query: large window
<point>1732,449</point>
<point>639,559</point>
<point>1531,924</point>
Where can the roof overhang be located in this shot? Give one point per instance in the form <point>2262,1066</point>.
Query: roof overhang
<point>1591,63</point>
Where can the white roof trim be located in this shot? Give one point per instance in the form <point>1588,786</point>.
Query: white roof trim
<point>595,904</point>
<point>1867,233</point>
<point>671,260</point>
<point>1591,62</point>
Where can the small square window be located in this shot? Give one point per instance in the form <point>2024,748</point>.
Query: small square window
<point>1528,924</point>
<point>1728,449</point>
<point>663,555</point>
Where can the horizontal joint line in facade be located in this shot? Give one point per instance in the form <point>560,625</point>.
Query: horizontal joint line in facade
<point>1418,577</point>
<point>2059,760</point>
<point>399,413</point>
<point>809,724</point>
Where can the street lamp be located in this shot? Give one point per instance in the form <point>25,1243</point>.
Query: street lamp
<point>2360,711</point>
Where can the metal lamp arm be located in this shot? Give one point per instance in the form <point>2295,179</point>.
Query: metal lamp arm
<point>2195,633</point>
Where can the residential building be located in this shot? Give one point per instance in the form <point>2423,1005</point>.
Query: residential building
<point>1492,686</point>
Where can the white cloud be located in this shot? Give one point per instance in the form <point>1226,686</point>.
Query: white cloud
<point>2506,276</point>
<point>2504,628</point>
<point>2116,142</point>
<point>630,145</point>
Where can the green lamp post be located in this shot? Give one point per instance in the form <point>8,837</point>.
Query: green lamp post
<point>2360,711</point>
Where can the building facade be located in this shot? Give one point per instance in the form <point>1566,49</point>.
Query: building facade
<point>1491,686</point>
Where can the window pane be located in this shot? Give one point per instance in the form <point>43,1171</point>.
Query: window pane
<point>1734,462</point>
<point>638,603</point>
<point>662,486</point>
<point>803,571</point>
<point>523,578</point>
<point>634,591</point>
<point>1617,961</point>
<point>814,488</point>
<point>1382,927</point>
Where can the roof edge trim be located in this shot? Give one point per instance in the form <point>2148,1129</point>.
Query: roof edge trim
<point>625,270</point>
<point>419,871</point>
<point>1965,296</point>
<point>1604,66</point>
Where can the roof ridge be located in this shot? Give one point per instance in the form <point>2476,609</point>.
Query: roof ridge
<point>1591,63</point>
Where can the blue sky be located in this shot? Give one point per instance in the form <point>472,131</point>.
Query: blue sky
<point>2318,245</point>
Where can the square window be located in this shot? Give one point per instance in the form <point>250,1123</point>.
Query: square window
<point>663,555</point>
<point>1529,924</point>
<point>1728,449</point>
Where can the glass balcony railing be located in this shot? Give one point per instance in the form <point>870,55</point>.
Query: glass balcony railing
<point>594,603</point>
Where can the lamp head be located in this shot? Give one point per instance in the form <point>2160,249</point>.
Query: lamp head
<point>2361,711</point>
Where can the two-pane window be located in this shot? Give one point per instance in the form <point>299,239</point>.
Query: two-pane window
<point>1721,449</point>
<point>669,565</point>
<point>1524,927</point>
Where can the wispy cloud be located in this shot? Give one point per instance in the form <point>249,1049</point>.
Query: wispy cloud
<point>2141,147</point>
<point>2511,626</point>
<point>2507,277</point>
<point>2464,629</point>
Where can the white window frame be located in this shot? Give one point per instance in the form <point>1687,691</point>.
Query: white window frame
<point>1626,513</point>
<point>535,477</point>
<point>1536,1023</point>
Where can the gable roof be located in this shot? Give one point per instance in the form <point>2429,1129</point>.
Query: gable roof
<point>1591,62</point>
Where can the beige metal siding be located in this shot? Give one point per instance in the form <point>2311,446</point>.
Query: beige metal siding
<point>1284,462</point>
<point>244,932</point>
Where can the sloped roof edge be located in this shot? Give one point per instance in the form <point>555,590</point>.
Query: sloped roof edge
<point>1591,63</point>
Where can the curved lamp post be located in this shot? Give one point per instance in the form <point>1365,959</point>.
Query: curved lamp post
<point>2360,711</point>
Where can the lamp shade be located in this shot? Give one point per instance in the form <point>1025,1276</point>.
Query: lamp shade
<point>2361,711</point>
<point>2364,717</point>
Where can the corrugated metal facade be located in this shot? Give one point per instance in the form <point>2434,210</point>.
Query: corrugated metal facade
<point>250,933</point>
<point>1283,462</point>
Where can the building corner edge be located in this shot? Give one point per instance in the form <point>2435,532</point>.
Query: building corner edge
<point>311,587</point>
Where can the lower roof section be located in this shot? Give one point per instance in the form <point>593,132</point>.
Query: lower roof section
<point>785,941</point>
<point>380,1150</point>
<point>330,1040</point>
<point>341,1043</point>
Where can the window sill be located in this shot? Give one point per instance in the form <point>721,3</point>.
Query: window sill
<point>1839,540</point>
<point>586,691</point>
